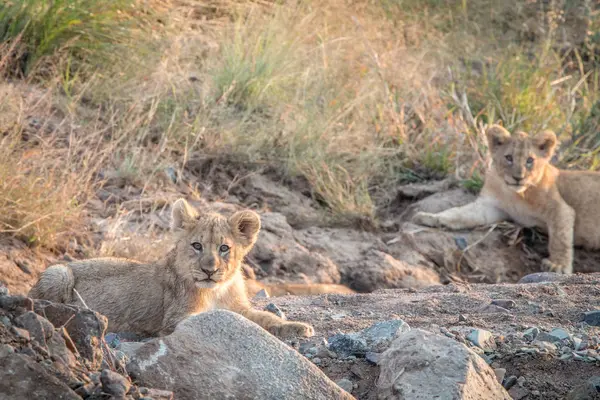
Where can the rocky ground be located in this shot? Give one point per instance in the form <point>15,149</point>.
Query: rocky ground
<point>452,297</point>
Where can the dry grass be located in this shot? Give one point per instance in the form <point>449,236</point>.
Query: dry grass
<point>354,99</point>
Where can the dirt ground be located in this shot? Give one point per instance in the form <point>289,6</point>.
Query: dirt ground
<point>457,308</point>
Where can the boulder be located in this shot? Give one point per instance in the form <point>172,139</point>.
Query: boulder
<point>422,365</point>
<point>23,378</point>
<point>85,327</point>
<point>220,354</point>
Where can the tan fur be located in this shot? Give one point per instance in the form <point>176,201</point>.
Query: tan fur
<point>150,299</point>
<point>534,194</point>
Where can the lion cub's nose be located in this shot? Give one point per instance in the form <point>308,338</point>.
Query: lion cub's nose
<point>518,178</point>
<point>209,272</point>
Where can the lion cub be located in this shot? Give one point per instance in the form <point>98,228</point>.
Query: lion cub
<point>202,272</point>
<point>522,185</point>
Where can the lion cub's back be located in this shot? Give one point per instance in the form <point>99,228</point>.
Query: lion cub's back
<point>581,189</point>
<point>128,292</point>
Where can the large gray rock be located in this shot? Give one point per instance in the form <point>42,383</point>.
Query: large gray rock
<point>23,378</point>
<point>421,365</point>
<point>222,355</point>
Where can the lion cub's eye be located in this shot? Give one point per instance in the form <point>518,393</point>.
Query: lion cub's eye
<point>197,246</point>
<point>224,249</point>
<point>529,162</point>
<point>509,158</point>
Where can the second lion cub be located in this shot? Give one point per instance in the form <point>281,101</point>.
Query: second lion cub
<point>202,272</point>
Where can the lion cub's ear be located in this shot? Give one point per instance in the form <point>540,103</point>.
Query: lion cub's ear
<point>545,142</point>
<point>182,215</point>
<point>245,225</point>
<point>497,136</point>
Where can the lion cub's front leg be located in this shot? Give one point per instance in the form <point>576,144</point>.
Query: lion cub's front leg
<point>560,246</point>
<point>278,326</point>
<point>478,213</point>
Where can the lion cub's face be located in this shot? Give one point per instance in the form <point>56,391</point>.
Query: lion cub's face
<point>520,159</point>
<point>211,247</point>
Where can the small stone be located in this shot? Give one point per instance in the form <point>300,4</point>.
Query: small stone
<point>171,174</point>
<point>112,339</point>
<point>555,335</point>
<point>156,394</point>
<point>493,309</point>
<point>510,382</point>
<point>275,310</point>
<point>22,333</point>
<point>545,347</point>
<point>113,383</point>
<point>461,243</point>
<point>535,393</point>
<point>531,333</point>
<point>86,390</point>
<point>591,318</point>
<point>345,384</point>
<point>500,373</point>
<point>577,343</point>
<point>376,338</point>
<point>316,361</point>
<point>262,294</point>
<point>324,352</point>
<point>346,345</point>
<point>504,303</point>
<point>539,277</point>
<point>39,327</point>
<point>6,349</point>
<point>372,357</point>
<point>462,318</point>
<point>518,392</point>
<point>482,339</point>
<point>521,381</point>
<point>4,320</point>
<point>3,290</point>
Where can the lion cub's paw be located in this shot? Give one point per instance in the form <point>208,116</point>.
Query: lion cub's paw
<point>548,265</point>
<point>293,329</point>
<point>427,219</point>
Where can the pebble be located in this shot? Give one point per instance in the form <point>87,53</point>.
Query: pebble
<point>555,335</point>
<point>345,384</point>
<point>4,320</point>
<point>518,392</point>
<point>316,361</point>
<point>6,349</point>
<point>531,333</point>
<point>544,346</point>
<point>3,290</point>
<point>509,382</point>
<point>577,343</point>
<point>377,338</point>
<point>591,318</point>
<point>22,333</point>
<point>504,303</point>
<point>372,357</point>
<point>275,310</point>
<point>462,318</point>
<point>262,294</point>
<point>500,373</point>
<point>113,383</point>
<point>493,309</point>
<point>539,277</point>
<point>482,339</point>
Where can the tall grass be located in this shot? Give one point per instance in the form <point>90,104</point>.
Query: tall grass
<point>355,100</point>
<point>84,29</point>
